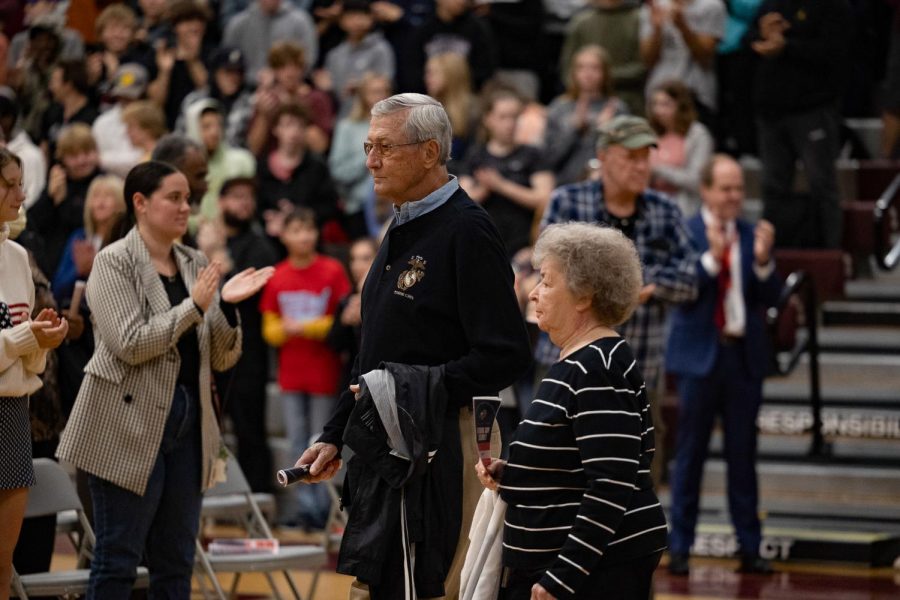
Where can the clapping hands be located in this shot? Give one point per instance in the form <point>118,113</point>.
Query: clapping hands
<point>246,283</point>
<point>771,28</point>
<point>49,329</point>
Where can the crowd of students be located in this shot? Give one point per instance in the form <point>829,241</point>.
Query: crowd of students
<point>264,106</point>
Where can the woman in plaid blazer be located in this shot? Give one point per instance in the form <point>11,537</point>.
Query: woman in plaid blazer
<point>143,425</point>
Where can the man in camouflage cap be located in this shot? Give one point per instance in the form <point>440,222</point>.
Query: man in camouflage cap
<point>622,199</point>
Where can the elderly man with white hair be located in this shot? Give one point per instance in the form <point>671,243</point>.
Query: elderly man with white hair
<point>440,295</point>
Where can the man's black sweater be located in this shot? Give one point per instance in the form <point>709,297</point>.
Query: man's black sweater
<point>440,292</point>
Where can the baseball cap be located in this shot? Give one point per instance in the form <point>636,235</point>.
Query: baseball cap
<point>238,180</point>
<point>130,81</point>
<point>628,131</point>
<point>227,58</point>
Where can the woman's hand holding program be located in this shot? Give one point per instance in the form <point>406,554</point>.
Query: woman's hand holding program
<point>490,476</point>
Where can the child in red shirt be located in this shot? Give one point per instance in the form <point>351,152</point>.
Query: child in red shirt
<point>298,307</point>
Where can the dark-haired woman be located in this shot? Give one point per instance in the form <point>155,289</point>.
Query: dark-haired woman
<point>683,148</point>
<point>143,425</point>
<point>23,352</point>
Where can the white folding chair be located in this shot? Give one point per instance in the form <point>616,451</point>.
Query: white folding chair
<point>53,493</point>
<point>287,558</point>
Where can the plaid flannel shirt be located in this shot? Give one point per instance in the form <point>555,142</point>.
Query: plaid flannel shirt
<point>668,258</point>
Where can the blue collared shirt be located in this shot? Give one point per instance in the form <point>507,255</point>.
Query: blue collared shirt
<point>410,210</point>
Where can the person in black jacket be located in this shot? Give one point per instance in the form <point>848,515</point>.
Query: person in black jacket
<point>802,45</point>
<point>346,331</point>
<point>292,175</point>
<point>455,29</point>
<point>440,293</point>
<point>60,209</point>
<point>243,388</point>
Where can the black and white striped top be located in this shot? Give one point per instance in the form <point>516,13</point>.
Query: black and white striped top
<point>578,478</point>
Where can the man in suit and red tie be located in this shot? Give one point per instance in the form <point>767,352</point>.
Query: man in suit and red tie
<point>719,352</point>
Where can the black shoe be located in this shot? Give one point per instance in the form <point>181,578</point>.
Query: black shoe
<point>755,564</point>
<point>678,564</point>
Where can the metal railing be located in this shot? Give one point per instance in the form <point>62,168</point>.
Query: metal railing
<point>800,283</point>
<point>886,255</point>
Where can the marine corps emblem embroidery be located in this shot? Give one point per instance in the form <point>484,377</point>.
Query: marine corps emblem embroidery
<point>413,275</point>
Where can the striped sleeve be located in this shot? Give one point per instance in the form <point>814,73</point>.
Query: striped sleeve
<point>606,422</point>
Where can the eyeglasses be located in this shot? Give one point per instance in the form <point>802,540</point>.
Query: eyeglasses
<point>385,150</point>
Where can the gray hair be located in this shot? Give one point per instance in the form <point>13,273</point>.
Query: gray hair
<point>173,148</point>
<point>426,119</point>
<point>597,261</point>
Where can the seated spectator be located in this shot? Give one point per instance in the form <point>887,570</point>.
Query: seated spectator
<point>117,44</point>
<point>17,141</point>
<point>117,153</point>
<point>59,211</point>
<point>104,207</point>
<point>678,41</point>
<point>453,29</point>
<point>363,51</point>
<point>181,64</point>
<point>617,25</point>
<point>574,117</point>
<point>286,83</point>
<point>31,75</point>
<point>298,306</point>
<point>510,181</point>
<point>683,147</point>
<point>582,515</point>
<point>448,81</point>
<point>152,25</point>
<point>326,15</point>
<point>346,331</point>
<point>265,23</point>
<point>44,16</point>
<point>72,102</point>
<point>226,85</point>
<point>400,20</point>
<point>145,123</point>
<point>230,8</point>
<point>348,164</point>
<point>188,156</point>
<point>291,176</point>
<point>204,122</point>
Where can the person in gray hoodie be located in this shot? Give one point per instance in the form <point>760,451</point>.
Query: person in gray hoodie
<point>265,22</point>
<point>363,51</point>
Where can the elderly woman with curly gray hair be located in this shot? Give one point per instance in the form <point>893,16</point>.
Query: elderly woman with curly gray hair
<point>582,519</point>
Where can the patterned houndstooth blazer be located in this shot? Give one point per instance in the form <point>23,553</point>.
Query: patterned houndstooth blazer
<point>117,423</point>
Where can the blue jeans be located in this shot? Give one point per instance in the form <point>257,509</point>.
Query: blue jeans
<point>161,525</point>
<point>305,415</point>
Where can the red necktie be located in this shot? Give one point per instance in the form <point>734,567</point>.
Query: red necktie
<point>724,285</point>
